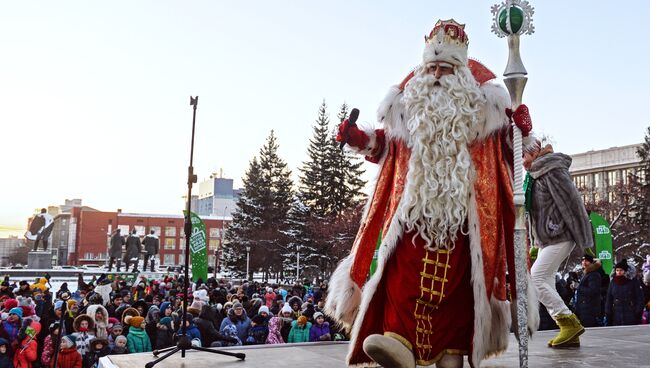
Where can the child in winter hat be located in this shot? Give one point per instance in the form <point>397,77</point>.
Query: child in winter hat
<point>120,346</point>
<point>5,357</point>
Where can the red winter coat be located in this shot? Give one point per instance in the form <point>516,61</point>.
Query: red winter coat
<point>68,358</point>
<point>26,354</point>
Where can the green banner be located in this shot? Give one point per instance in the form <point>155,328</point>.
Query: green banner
<point>198,248</point>
<point>603,238</point>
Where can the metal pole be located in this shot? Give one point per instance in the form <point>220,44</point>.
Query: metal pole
<point>191,178</point>
<point>248,252</point>
<point>513,18</point>
<point>297,262</point>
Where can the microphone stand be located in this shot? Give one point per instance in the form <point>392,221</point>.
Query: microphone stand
<point>184,342</point>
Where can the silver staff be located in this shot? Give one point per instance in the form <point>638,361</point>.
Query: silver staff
<point>513,18</point>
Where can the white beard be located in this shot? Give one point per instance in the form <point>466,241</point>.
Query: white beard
<point>439,179</point>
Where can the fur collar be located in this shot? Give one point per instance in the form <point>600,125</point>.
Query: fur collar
<point>595,266</point>
<point>551,161</point>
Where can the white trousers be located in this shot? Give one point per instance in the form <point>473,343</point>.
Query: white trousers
<point>549,259</point>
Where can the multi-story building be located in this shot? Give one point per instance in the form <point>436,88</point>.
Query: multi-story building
<point>94,228</point>
<point>217,197</point>
<point>8,247</point>
<point>596,172</point>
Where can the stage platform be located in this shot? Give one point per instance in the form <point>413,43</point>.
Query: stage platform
<point>601,347</point>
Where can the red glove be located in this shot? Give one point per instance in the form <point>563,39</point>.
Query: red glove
<point>352,135</point>
<point>522,119</point>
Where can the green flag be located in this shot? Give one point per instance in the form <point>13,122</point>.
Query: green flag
<point>603,238</point>
<point>373,263</point>
<point>198,248</point>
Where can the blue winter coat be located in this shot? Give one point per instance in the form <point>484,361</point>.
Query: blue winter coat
<point>317,331</point>
<point>624,301</point>
<point>588,304</point>
<point>192,332</point>
<point>242,323</point>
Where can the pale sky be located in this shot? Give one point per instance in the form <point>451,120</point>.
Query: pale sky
<point>94,96</point>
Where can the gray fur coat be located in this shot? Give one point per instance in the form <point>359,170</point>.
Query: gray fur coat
<point>558,213</point>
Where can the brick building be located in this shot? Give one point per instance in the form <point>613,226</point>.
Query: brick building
<point>94,228</point>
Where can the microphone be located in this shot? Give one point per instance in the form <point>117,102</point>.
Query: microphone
<point>352,122</point>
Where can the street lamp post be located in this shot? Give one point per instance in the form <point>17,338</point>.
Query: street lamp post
<point>220,245</point>
<point>248,252</point>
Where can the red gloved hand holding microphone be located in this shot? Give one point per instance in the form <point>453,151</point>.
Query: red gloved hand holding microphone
<point>350,133</point>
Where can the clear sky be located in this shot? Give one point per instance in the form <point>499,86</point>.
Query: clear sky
<point>94,96</point>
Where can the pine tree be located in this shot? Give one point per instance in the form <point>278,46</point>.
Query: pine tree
<point>261,221</point>
<point>277,199</point>
<point>314,172</point>
<point>344,174</point>
<point>246,219</point>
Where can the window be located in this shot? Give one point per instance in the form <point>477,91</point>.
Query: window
<point>612,178</point>
<point>213,244</point>
<point>170,243</point>
<point>170,230</point>
<point>641,174</point>
<point>124,229</point>
<point>181,259</point>
<point>156,230</point>
<point>210,260</point>
<point>169,259</point>
<point>214,232</point>
<point>139,230</point>
<point>598,180</point>
<point>182,243</point>
<point>580,181</point>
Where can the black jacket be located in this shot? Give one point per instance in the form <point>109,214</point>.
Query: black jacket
<point>205,322</point>
<point>151,244</point>
<point>588,297</point>
<point>624,303</point>
<point>133,247</point>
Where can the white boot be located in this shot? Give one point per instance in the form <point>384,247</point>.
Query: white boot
<point>450,361</point>
<point>388,352</point>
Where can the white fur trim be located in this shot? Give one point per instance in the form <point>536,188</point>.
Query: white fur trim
<point>391,113</point>
<point>344,297</point>
<point>492,116</point>
<point>386,249</point>
<point>482,307</point>
<point>500,327</point>
<point>436,49</point>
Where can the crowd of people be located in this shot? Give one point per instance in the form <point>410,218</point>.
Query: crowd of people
<point>106,316</point>
<point>599,299</point>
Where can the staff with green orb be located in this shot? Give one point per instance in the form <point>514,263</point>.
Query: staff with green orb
<point>512,19</point>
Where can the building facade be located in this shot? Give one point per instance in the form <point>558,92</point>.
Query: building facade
<point>8,247</point>
<point>217,197</point>
<point>595,173</point>
<point>94,228</point>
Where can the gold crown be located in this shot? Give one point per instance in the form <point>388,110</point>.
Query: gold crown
<point>452,32</point>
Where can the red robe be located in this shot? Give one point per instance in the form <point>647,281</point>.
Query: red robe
<point>362,301</point>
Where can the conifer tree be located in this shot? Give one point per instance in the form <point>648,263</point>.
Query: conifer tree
<point>246,219</point>
<point>315,171</point>
<point>261,220</point>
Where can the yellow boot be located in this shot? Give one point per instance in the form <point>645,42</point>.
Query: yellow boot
<point>570,328</point>
<point>574,343</point>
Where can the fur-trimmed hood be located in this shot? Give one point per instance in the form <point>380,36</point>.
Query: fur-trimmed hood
<point>94,308</point>
<point>83,317</point>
